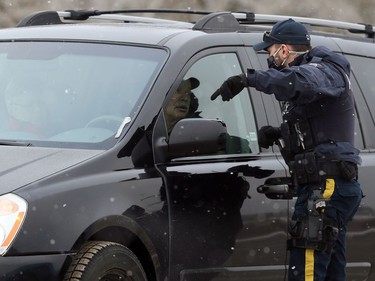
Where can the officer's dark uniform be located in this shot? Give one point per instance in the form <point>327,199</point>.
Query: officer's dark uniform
<point>317,138</point>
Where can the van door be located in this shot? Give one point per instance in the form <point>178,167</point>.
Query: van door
<point>360,237</point>
<point>222,226</point>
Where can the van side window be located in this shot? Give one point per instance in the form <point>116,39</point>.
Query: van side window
<point>362,77</point>
<point>237,114</point>
<point>365,74</point>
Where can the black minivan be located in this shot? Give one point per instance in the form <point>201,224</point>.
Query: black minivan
<point>97,182</point>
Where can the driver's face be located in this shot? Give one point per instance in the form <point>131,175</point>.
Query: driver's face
<point>178,106</point>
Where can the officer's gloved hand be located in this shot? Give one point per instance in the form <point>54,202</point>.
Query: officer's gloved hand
<point>231,87</point>
<point>267,135</point>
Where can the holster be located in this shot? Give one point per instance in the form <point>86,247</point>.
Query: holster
<point>306,169</point>
<point>291,145</point>
<point>314,230</point>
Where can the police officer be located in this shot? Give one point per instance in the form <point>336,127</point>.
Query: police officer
<point>316,140</point>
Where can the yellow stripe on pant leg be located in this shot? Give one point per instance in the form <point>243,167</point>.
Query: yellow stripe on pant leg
<point>330,188</point>
<point>309,265</point>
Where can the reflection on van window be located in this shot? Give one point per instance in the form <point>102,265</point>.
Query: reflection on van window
<point>237,115</point>
<point>62,94</point>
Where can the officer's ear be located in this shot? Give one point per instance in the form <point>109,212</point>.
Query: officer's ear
<point>284,51</point>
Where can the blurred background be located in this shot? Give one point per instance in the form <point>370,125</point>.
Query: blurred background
<point>359,11</point>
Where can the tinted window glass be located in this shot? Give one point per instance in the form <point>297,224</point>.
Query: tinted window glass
<point>363,75</point>
<point>364,72</point>
<point>237,114</point>
<point>65,94</point>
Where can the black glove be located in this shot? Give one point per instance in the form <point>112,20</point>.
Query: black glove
<point>267,135</point>
<point>231,87</point>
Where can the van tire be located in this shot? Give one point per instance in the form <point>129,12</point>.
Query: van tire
<point>101,260</point>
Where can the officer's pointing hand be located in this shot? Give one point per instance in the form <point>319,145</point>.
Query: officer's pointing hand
<point>231,87</point>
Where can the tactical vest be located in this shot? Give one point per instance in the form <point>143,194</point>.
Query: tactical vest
<point>328,119</point>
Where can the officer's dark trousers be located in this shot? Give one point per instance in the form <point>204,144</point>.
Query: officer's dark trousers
<point>314,265</point>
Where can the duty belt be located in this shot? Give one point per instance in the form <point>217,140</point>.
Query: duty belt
<point>307,168</point>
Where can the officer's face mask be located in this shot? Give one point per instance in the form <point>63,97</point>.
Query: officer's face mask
<point>272,63</point>
<point>271,60</point>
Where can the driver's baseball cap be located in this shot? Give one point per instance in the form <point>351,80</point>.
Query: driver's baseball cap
<point>285,32</point>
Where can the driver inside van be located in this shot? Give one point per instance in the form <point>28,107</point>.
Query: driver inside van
<point>183,103</point>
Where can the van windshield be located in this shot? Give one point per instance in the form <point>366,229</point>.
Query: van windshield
<point>68,94</point>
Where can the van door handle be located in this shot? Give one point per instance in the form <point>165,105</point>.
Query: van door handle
<point>276,191</point>
<point>278,188</point>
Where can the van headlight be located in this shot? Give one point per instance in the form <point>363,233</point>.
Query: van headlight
<point>12,214</point>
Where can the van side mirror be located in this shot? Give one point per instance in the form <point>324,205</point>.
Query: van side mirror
<point>196,136</point>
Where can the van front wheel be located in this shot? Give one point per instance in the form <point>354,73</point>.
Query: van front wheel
<point>105,261</point>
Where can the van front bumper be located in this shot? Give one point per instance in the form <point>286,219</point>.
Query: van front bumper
<point>32,268</point>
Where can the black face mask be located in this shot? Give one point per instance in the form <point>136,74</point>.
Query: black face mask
<point>272,63</point>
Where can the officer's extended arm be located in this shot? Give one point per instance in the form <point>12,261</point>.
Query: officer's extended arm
<point>303,84</point>
<point>269,82</point>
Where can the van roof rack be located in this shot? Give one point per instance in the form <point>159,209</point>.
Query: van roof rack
<point>367,29</point>
<point>55,17</point>
<point>209,21</point>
